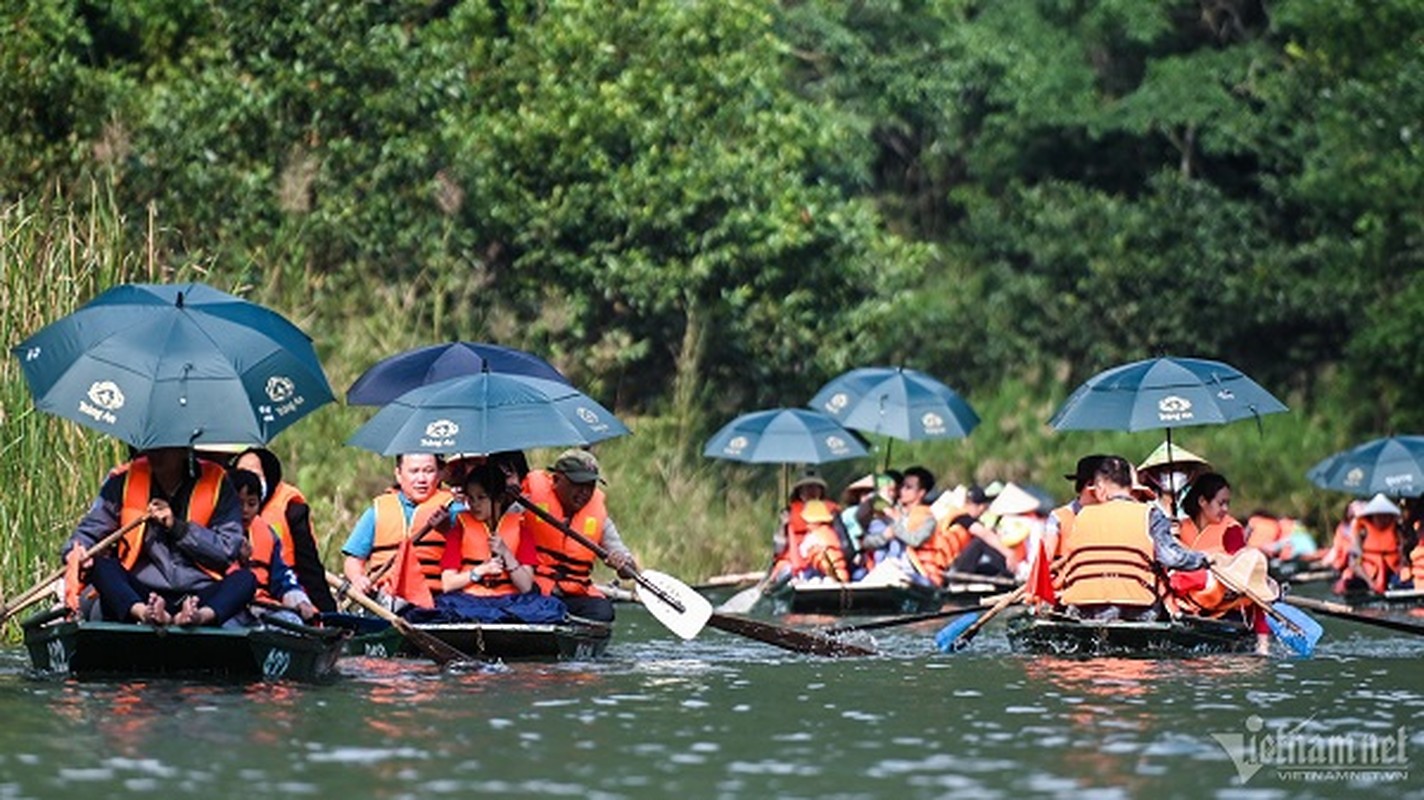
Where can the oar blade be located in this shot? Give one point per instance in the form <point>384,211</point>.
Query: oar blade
<point>1301,641</point>
<point>788,638</point>
<point>686,622</point>
<point>949,635</point>
<point>742,602</point>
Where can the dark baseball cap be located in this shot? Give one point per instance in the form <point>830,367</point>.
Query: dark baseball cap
<point>1087,467</point>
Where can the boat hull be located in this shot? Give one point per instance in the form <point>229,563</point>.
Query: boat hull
<point>1060,635</point>
<point>113,649</point>
<point>852,598</point>
<point>578,641</point>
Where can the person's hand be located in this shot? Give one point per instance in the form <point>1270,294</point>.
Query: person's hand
<point>161,512</point>
<point>361,584</point>
<point>306,611</point>
<point>244,552</point>
<point>621,562</point>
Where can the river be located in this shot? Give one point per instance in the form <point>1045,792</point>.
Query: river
<point>722,717</point>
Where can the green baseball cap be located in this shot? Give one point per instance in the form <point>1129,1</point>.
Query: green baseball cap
<point>579,466</point>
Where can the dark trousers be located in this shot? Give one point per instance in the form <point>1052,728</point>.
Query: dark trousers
<point>979,558</point>
<point>119,591</point>
<point>598,609</point>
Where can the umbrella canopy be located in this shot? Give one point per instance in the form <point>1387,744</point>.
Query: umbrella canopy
<point>784,436</point>
<point>159,365</point>
<point>1393,466</point>
<point>392,377</point>
<point>487,413</point>
<point>893,401</point>
<point>1164,393</point>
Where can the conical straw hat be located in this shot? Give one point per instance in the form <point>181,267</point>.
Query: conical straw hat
<point>1180,455</point>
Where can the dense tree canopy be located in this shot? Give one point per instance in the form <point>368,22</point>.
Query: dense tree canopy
<point>720,204</point>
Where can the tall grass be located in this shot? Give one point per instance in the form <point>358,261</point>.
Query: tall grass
<point>680,512</point>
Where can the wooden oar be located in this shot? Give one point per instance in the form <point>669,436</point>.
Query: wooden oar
<point>1299,633</point>
<point>1342,611</point>
<point>911,619</point>
<point>966,634</point>
<point>441,652</point>
<point>30,596</point>
<point>698,610</point>
<point>969,577</point>
<point>744,601</point>
<point>730,579</point>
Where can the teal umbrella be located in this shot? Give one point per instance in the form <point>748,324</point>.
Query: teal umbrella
<point>901,403</point>
<point>487,413</point>
<point>784,436</point>
<point>1393,466</point>
<point>1164,393</point>
<point>159,365</point>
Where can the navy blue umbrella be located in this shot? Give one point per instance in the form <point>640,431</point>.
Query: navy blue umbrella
<point>1393,466</point>
<point>487,413</point>
<point>392,377</point>
<point>784,436</point>
<point>1164,393</point>
<point>159,365</point>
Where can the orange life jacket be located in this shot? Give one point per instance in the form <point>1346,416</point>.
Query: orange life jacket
<point>138,488</point>
<point>562,562</point>
<point>263,540</point>
<point>935,554</point>
<point>475,550</point>
<point>391,530</point>
<point>1264,532</point>
<point>1108,557</point>
<point>1379,550</point>
<point>954,538</point>
<point>820,550</point>
<point>274,512</point>
<point>1211,539</point>
<point>1416,564</point>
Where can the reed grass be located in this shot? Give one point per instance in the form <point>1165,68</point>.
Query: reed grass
<point>681,513</point>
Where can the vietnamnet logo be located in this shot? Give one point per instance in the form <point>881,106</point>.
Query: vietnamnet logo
<point>736,446</point>
<point>104,398</point>
<point>1174,409</point>
<point>440,434</point>
<point>1299,755</point>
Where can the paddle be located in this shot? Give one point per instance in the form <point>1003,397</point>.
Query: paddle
<point>1342,611</point>
<point>894,622</point>
<point>673,603</point>
<point>1293,627</point>
<point>439,651</point>
<point>958,634</point>
<point>34,593</point>
<point>745,600</point>
<point>731,579</point>
<point>696,611</point>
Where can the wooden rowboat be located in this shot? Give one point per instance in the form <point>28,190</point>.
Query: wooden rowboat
<point>1062,635</point>
<point>1394,598</point>
<point>856,598</point>
<point>575,640</point>
<point>60,647</point>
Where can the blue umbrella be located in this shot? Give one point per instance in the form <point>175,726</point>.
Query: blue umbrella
<point>893,401</point>
<point>784,436</point>
<point>487,413</point>
<point>392,377</point>
<point>1164,393</point>
<point>159,365</point>
<point>1393,465</point>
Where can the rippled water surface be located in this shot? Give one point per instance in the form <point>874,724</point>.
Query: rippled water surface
<point>722,717</point>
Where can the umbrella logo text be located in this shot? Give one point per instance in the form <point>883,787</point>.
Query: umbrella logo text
<point>440,433</point>
<point>1174,409</point>
<point>106,398</point>
<point>837,445</point>
<point>283,391</point>
<point>1396,481</point>
<point>590,417</point>
<point>736,445</point>
<point>933,423</point>
<point>836,402</point>
<point>1355,477</point>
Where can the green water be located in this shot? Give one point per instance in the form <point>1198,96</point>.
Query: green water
<point>721,717</point>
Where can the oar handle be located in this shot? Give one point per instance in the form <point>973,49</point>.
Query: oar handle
<point>973,630</point>
<point>597,549</point>
<point>337,582</point>
<point>1265,604</point>
<point>34,593</point>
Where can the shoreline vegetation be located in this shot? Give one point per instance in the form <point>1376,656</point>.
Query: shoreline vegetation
<point>681,513</point>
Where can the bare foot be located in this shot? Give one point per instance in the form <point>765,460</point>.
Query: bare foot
<point>156,612</point>
<point>191,613</point>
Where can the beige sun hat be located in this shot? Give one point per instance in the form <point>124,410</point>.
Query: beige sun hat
<point>1379,504</point>
<point>1180,455</point>
<point>1248,568</point>
<point>1013,500</point>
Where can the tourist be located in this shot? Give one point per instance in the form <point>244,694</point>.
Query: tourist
<point>287,512</point>
<point>262,553</point>
<point>415,506</point>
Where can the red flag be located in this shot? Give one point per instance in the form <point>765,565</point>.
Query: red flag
<point>404,580</point>
<point>1040,580</point>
